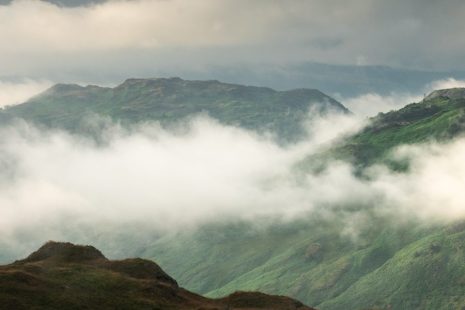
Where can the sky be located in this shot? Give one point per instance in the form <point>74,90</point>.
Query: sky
<point>82,39</point>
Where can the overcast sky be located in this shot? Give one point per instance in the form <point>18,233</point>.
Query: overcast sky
<point>62,41</point>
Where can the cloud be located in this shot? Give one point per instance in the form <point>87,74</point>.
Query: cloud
<point>222,169</point>
<point>169,180</point>
<point>431,190</point>
<point>12,93</point>
<point>370,104</point>
<point>44,38</point>
<point>114,25</point>
<point>446,83</point>
<point>154,181</point>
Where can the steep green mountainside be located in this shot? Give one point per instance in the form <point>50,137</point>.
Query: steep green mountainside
<point>171,100</point>
<point>389,263</point>
<point>405,267</point>
<point>440,117</point>
<point>67,276</point>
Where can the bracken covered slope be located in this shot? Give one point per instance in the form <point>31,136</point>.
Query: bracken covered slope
<point>67,276</point>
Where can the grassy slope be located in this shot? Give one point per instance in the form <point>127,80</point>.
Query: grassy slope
<point>398,265</point>
<point>437,119</point>
<point>312,262</point>
<point>426,274</point>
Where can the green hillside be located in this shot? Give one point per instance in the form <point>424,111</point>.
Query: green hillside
<point>439,117</point>
<point>391,264</point>
<point>171,100</point>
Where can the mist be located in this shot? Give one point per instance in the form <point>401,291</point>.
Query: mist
<point>12,93</point>
<point>147,180</point>
<point>147,176</point>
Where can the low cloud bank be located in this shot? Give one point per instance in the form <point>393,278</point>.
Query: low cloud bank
<point>168,177</point>
<point>54,185</point>
<point>57,186</point>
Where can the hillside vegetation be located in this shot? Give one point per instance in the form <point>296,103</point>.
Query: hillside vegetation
<point>439,117</point>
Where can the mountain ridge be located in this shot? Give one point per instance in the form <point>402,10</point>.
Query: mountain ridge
<point>170,100</point>
<point>451,93</point>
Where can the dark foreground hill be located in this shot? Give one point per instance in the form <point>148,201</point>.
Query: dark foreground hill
<point>67,276</point>
<point>170,100</point>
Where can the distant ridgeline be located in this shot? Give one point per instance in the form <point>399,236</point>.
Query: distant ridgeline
<point>170,100</point>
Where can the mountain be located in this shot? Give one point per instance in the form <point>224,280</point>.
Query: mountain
<point>171,100</point>
<point>67,276</point>
<point>440,117</point>
<point>391,263</point>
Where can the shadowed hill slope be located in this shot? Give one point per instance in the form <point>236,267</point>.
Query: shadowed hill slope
<point>67,276</point>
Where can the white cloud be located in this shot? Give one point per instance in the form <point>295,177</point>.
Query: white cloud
<point>446,83</point>
<point>31,25</point>
<point>165,181</point>
<point>432,189</point>
<point>167,178</point>
<point>371,104</point>
<point>12,93</point>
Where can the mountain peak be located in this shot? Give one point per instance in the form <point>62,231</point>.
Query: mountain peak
<point>66,252</point>
<point>63,87</point>
<point>136,81</point>
<point>451,93</point>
